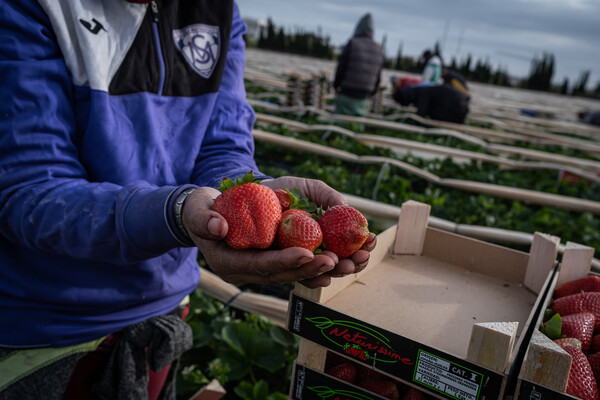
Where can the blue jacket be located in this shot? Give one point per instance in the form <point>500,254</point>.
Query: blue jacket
<point>108,110</point>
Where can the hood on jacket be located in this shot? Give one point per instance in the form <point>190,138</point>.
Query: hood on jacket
<point>364,27</point>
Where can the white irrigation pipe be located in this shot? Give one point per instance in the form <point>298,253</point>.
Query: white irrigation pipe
<point>486,114</point>
<point>392,213</point>
<point>592,166</point>
<point>456,154</point>
<point>547,199</point>
<point>273,308</point>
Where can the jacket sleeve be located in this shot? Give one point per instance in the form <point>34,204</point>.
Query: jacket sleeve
<point>47,202</point>
<point>228,147</point>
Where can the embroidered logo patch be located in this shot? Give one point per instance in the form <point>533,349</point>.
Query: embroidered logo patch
<point>200,45</point>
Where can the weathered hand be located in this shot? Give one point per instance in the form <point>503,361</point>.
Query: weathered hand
<point>207,228</point>
<point>315,190</point>
<point>325,196</point>
<point>273,267</point>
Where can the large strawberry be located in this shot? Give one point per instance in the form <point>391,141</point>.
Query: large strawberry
<point>384,387</point>
<point>581,382</point>
<point>345,371</point>
<point>590,283</point>
<point>298,229</point>
<point>345,230</point>
<point>577,303</point>
<point>594,361</point>
<point>252,212</point>
<point>579,326</point>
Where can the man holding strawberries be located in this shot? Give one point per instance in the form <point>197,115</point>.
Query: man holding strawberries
<point>117,120</point>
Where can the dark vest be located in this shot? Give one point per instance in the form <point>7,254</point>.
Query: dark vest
<point>364,64</point>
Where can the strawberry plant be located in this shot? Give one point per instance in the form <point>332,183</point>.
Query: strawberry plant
<point>246,353</point>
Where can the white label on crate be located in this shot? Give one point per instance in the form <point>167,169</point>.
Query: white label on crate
<point>298,315</point>
<point>299,384</point>
<point>447,377</point>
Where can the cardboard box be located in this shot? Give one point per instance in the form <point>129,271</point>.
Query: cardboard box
<point>545,369</point>
<point>310,384</point>
<point>438,311</point>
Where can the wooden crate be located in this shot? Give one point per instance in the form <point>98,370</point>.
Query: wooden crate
<point>545,369</point>
<point>438,311</point>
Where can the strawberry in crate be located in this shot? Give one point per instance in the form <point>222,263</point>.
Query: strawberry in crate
<point>573,322</point>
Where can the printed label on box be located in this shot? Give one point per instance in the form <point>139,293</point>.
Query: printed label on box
<point>446,377</point>
<point>411,361</point>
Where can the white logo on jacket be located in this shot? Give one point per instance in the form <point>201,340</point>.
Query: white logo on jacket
<point>200,45</point>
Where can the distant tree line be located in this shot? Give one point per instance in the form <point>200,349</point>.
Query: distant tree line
<point>299,42</point>
<point>540,77</point>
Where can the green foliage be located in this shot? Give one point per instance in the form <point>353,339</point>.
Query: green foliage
<point>542,71</point>
<point>299,202</point>
<point>300,42</point>
<point>246,353</point>
<point>389,184</point>
<point>552,327</point>
<point>227,183</point>
<point>257,391</point>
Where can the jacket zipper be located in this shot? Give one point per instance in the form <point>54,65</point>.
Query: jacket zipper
<point>161,59</point>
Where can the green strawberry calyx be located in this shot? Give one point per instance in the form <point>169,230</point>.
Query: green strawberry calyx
<point>552,328</point>
<point>299,202</point>
<point>228,183</point>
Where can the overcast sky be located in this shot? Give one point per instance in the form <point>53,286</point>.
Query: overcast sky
<point>508,33</point>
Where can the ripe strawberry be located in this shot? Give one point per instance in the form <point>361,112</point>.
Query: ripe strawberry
<point>345,371</point>
<point>580,302</point>
<point>581,382</point>
<point>284,199</point>
<point>383,387</point>
<point>595,344</point>
<point>579,326</point>
<point>594,361</point>
<point>334,359</point>
<point>252,211</point>
<point>413,394</point>
<point>590,283</point>
<point>366,373</point>
<point>298,229</point>
<point>345,230</point>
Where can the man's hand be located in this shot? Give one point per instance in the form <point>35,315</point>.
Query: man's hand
<point>207,228</point>
<point>323,195</point>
